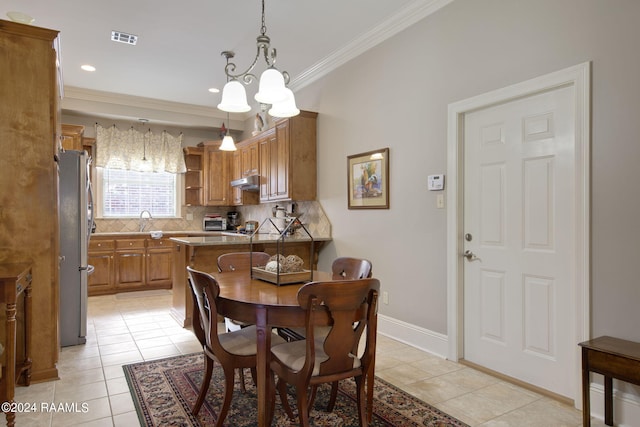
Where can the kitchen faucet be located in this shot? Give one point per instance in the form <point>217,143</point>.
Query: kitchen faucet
<point>145,216</point>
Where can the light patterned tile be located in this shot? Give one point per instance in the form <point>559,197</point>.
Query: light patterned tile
<point>95,411</point>
<point>121,358</point>
<point>128,419</point>
<point>117,386</point>
<point>121,403</point>
<point>160,352</point>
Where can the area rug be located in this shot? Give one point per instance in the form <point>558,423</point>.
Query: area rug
<point>165,390</point>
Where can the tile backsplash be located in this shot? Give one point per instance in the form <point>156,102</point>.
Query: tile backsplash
<point>310,213</point>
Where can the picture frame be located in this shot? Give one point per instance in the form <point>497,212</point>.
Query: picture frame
<point>368,180</point>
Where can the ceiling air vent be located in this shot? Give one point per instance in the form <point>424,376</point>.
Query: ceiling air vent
<point>119,36</point>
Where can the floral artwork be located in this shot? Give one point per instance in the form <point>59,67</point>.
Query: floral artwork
<point>368,180</point>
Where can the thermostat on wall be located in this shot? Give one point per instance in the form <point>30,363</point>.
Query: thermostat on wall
<point>435,182</point>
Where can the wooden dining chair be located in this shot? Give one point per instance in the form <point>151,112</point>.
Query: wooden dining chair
<point>350,309</point>
<point>351,268</point>
<point>242,261</point>
<point>231,349</point>
<point>342,268</point>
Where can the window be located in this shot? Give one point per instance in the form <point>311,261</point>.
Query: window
<point>125,193</point>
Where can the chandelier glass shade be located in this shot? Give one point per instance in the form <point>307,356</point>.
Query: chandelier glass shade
<point>285,108</point>
<point>272,88</point>
<point>234,98</point>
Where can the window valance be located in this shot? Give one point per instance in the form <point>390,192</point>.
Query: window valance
<point>143,152</point>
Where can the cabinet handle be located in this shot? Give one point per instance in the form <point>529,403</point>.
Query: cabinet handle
<point>127,255</point>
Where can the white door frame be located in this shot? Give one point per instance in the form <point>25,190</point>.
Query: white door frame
<point>578,76</point>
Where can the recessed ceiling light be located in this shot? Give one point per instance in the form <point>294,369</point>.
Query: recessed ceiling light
<point>214,90</point>
<point>88,67</point>
<point>20,17</point>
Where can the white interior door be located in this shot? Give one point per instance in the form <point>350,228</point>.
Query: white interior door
<point>519,204</point>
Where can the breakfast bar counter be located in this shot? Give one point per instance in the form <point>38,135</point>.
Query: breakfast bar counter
<point>202,252</point>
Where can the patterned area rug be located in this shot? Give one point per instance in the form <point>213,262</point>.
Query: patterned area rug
<point>165,390</point>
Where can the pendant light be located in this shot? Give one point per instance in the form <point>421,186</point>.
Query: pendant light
<point>272,88</point>
<point>227,141</point>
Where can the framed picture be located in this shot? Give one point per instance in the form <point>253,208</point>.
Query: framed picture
<point>368,180</point>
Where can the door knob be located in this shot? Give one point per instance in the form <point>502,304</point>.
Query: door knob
<point>469,255</point>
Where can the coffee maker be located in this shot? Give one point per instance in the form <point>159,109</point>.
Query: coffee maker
<point>233,220</point>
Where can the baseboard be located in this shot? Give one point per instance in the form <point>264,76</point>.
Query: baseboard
<point>626,406</point>
<point>421,338</point>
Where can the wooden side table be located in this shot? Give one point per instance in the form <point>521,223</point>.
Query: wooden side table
<point>15,280</point>
<point>613,358</point>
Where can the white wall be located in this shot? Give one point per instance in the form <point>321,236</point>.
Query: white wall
<point>396,96</point>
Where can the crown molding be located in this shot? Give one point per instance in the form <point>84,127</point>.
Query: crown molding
<point>111,98</point>
<point>402,19</point>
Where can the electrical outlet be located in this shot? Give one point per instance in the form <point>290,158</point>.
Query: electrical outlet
<point>189,217</point>
<point>385,297</point>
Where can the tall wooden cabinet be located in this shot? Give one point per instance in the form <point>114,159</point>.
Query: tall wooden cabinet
<point>217,177</point>
<point>29,141</point>
<point>244,163</point>
<point>288,159</point>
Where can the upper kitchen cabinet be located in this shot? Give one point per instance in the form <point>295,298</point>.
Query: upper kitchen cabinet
<point>244,163</point>
<point>287,155</point>
<point>72,137</point>
<point>194,177</point>
<point>217,186</point>
<point>30,131</point>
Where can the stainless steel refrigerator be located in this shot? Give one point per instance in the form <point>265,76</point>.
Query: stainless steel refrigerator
<point>75,204</point>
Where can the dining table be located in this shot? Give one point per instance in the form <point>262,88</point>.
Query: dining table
<point>268,305</point>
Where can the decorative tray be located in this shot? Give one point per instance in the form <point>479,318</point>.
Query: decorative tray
<point>282,278</point>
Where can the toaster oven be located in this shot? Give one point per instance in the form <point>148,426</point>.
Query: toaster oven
<point>214,224</point>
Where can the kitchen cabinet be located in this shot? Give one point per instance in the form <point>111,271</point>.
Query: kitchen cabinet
<point>266,145</point>
<point>159,263</point>
<point>244,162</point>
<point>31,138</point>
<point>217,188</point>
<point>100,256</point>
<point>287,155</point>
<point>72,137</point>
<point>15,295</point>
<point>194,177</point>
<point>129,264</point>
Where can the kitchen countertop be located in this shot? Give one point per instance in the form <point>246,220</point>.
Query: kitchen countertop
<point>117,234</point>
<point>224,238</point>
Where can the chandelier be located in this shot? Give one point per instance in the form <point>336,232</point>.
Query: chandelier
<point>272,88</point>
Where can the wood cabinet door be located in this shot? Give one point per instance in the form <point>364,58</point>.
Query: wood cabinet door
<point>101,280</point>
<point>250,155</point>
<point>236,173</point>
<point>159,267</point>
<point>280,163</point>
<point>130,268</point>
<point>265,167</point>
<point>217,183</point>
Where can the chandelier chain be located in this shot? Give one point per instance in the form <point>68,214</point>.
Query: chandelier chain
<point>263,29</point>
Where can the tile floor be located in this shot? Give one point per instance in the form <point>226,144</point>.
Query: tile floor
<point>129,328</point>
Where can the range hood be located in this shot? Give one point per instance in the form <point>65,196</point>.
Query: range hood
<point>249,183</point>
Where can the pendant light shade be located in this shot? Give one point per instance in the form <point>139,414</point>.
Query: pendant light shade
<point>271,87</point>
<point>234,98</point>
<point>227,143</point>
<point>285,108</point>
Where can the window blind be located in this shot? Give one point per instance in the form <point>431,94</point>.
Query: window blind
<point>126,193</point>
